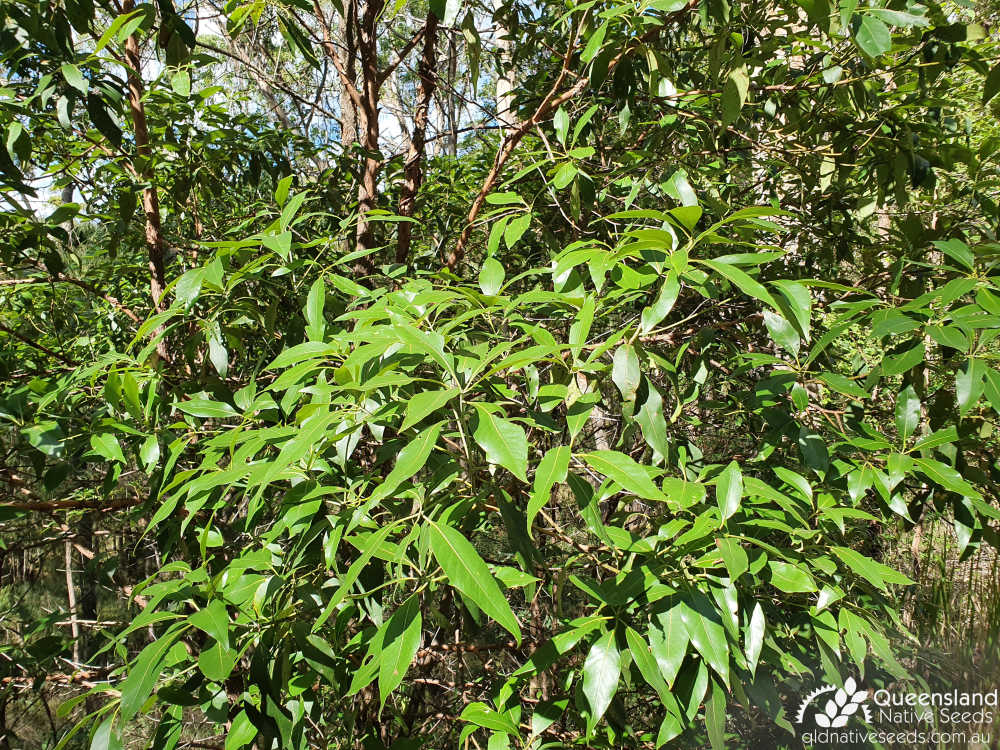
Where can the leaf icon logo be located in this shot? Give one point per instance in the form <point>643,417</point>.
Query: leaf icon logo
<point>836,711</point>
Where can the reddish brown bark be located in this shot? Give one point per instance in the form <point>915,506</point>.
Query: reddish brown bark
<point>365,99</point>
<point>371,85</point>
<point>156,247</point>
<point>413,172</point>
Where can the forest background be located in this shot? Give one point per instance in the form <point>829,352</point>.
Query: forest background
<point>504,375</point>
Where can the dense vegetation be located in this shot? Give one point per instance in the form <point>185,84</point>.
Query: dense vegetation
<point>599,374</point>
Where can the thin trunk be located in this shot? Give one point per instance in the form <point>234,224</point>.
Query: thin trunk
<point>370,86</point>
<point>452,111</point>
<point>413,169</point>
<point>505,74</point>
<point>155,245</point>
<point>74,626</point>
<point>88,583</point>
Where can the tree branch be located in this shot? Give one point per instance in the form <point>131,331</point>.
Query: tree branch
<point>331,51</point>
<point>401,55</point>
<point>41,347</point>
<point>549,104</point>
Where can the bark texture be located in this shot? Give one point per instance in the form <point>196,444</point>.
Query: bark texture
<point>413,170</point>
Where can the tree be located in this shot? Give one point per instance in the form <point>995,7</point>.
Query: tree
<point>600,438</point>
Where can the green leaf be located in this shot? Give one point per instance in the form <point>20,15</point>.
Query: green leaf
<point>552,469</point>
<point>601,671</point>
<point>515,229</point>
<point>907,413</point>
<point>425,403</point>
<point>107,446</point>
<point>898,363</point>
<point>655,313</point>
<point>300,353</point>
<point>875,573</point>
<point>241,732</point>
<point>64,112</point>
<point>103,121</point>
<point>105,737</point>
<point>399,646</point>
<point>451,9</point>
<point>729,490</point>
<point>796,298</point>
<point>496,234</point>
<point>949,336</point>
<point>74,77</point>
<point>560,123</point>
<point>504,199</point>
<point>957,251</point>
<point>467,572</point>
<point>682,492</point>
<point>790,578</point>
<point>842,384</point>
<point>409,461</point>
<point>218,355</point>
<point>668,642</point>
<point>739,278</point>
<point>814,451</point>
<point>873,36</point>
<point>992,84</point>
<point>214,620</point>
<point>144,673</point>
<point>428,342</point>
<point>625,371</point>
<point>734,95</point>
<point>625,472</point>
<point>372,544</point>
<point>733,556</point>
<point>755,637</point>
<point>969,384</point>
<point>47,437</point>
<point>782,332</point>
<point>939,437</point>
<point>643,657</point>
<point>715,717</point>
<point>503,441</point>
<point>899,17</point>
<point>594,43</point>
<point>580,329</point>
<point>482,715</point>
<point>202,407</point>
<point>564,175</point>
<point>491,277</point>
<point>217,662</point>
<point>281,191</point>
<point>315,322</point>
<point>946,476</point>
<point>653,424</point>
<point>678,188</point>
<point>149,453</point>
<point>180,82</point>
<point>707,635</point>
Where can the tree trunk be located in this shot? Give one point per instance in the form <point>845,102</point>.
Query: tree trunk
<point>506,115</point>
<point>74,628</point>
<point>155,245</point>
<point>413,169</point>
<point>348,109</point>
<point>370,86</point>
<point>452,99</point>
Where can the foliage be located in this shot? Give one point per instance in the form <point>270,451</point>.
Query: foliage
<point>608,460</point>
